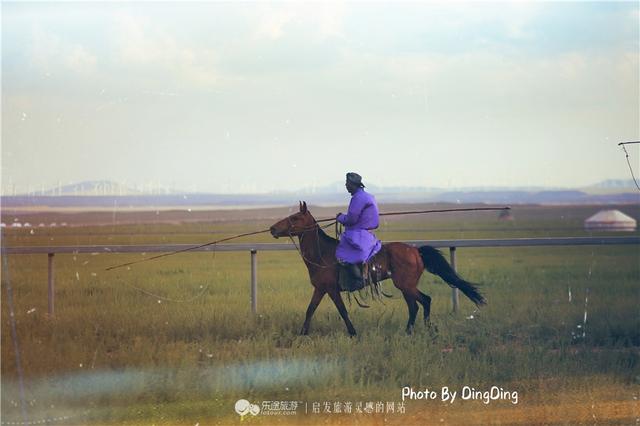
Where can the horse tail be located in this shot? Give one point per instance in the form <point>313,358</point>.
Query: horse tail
<point>435,263</point>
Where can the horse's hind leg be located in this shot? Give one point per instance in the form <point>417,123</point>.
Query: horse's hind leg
<point>407,282</point>
<point>313,304</point>
<point>337,299</point>
<point>412,304</point>
<point>426,304</point>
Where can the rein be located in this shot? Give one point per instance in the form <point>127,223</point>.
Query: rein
<point>317,228</point>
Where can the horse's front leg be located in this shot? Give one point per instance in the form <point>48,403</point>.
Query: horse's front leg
<point>313,304</point>
<point>337,299</point>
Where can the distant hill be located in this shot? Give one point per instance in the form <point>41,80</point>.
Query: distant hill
<point>615,183</point>
<point>611,186</point>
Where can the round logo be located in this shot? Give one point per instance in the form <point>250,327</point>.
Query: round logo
<point>242,407</point>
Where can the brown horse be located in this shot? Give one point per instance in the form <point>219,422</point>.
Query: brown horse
<point>402,263</point>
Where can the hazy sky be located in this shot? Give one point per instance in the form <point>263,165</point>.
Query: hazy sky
<point>238,97</point>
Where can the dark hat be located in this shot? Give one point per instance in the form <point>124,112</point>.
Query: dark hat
<point>355,179</point>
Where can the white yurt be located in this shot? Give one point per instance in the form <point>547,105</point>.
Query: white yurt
<point>610,220</point>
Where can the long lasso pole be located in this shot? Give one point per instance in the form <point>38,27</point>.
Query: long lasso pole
<point>186,249</point>
<point>267,230</point>
<point>471,209</point>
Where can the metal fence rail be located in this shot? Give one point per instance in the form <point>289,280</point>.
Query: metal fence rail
<point>253,249</point>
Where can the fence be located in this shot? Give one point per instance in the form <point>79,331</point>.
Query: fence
<point>254,248</point>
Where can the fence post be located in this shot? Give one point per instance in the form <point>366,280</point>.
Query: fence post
<point>454,291</point>
<point>254,281</point>
<point>51,284</point>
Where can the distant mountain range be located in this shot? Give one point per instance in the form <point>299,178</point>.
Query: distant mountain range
<point>109,194</point>
<point>615,183</point>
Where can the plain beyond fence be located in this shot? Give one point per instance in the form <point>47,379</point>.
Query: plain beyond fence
<point>253,249</point>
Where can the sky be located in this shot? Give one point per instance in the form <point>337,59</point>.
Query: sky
<point>259,97</point>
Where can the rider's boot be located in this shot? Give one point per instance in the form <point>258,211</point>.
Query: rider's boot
<point>355,269</point>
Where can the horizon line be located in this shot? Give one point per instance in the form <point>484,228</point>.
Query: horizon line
<point>111,189</point>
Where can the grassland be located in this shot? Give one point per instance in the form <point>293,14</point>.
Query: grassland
<point>174,341</point>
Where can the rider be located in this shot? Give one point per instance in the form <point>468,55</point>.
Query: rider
<point>358,243</point>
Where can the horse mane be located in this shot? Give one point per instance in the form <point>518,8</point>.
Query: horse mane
<point>323,235</point>
<point>326,238</point>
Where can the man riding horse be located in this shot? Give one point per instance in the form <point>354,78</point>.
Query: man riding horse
<point>401,262</point>
<point>358,243</point>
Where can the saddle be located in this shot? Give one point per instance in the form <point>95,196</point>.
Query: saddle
<point>352,277</point>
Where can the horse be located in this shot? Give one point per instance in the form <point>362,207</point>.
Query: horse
<point>403,263</point>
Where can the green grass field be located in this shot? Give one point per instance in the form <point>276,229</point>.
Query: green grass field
<point>174,342</point>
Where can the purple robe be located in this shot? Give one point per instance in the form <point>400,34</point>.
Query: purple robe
<point>358,243</point>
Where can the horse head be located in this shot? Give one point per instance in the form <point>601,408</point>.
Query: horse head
<point>294,225</point>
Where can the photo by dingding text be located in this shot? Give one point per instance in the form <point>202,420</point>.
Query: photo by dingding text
<point>446,394</point>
